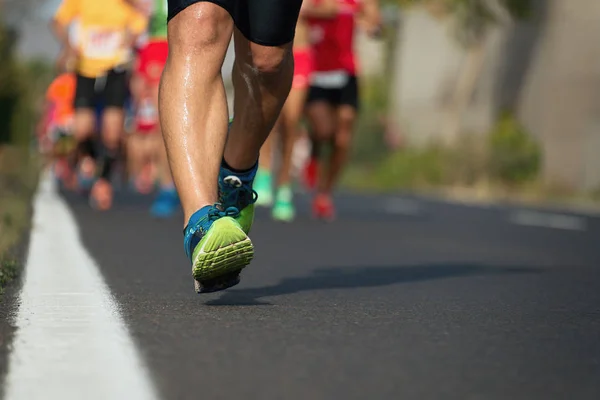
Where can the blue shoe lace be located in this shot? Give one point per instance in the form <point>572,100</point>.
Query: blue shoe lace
<point>195,232</point>
<point>236,193</point>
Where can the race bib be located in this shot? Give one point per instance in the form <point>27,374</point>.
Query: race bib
<point>147,113</point>
<point>330,79</point>
<point>102,44</point>
<point>316,34</point>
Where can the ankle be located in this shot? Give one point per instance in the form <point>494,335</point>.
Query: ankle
<point>235,169</point>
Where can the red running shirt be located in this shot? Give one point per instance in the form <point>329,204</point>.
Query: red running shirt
<point>333,39</point>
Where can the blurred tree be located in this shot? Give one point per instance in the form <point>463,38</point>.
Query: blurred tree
<point>471,21</point>
<point>9,86</point>
<point>16,10</point>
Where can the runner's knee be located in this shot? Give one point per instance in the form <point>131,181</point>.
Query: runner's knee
<point>343,138</point>
<point>271,61</point>
<point>112,128</point>
<point>321,122</point>
<point>200,27</point>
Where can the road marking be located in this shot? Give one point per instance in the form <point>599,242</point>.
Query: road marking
<point>548,220</point>
<point>401,206</point>
<point>71,342</point>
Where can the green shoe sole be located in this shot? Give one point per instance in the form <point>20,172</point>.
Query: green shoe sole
<point>224,249</point>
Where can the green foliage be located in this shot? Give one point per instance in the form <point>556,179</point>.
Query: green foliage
<point>514,155</point>
<point>507,157</point>
<point>22,84</point>
<point>368,141</point>
<point>414,168</point>
<point>9,270</point>
<point>18,179</point>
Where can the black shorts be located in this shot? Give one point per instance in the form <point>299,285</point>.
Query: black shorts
<point>110,90</point>
<point>346,95</point>
<point>264,22</point>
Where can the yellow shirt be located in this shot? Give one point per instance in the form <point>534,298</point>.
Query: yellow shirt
<point>103,26</point>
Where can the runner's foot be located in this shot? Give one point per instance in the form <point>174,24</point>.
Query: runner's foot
<point>283,210</point>
<point>264,188</point>
<point>166,203</point>
<point>217,248</point>
<point>235,190</point>
<point>323,208</point>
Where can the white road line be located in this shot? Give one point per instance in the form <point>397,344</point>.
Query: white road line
<point>401,206</point>
<point>548,220</point>
<point>71,342</point>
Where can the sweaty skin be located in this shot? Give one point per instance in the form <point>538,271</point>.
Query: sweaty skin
<point>292,111</point>
<point>193,106</point>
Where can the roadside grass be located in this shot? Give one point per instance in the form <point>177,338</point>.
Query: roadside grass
<point>18,181</point>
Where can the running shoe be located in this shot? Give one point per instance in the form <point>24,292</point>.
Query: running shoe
<point>323,208</point>
<point>235,190</point>
<point>166,203</point>
<point>217,248</point>
<point>264,188</point>
<point>283,210</point>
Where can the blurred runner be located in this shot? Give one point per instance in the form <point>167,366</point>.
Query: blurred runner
<point>106,33</point>
<point>140,119</point>
<point>214,169</point>
<point>146,79</point>
<point>55,128</point>
<point>287,125</point>
<point>60,95</point>
<point>333,98</point>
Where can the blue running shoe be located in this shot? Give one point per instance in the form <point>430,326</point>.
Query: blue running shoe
<point>166,203</point>
<point>217,248</point>
<point>235,190</point>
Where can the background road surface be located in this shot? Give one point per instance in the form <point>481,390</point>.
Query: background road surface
<point>401,298</point>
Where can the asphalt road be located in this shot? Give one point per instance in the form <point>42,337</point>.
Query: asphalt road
<point>401,298</point>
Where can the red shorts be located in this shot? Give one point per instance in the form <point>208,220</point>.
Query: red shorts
<point>152,59</point>
<point>303,66</point>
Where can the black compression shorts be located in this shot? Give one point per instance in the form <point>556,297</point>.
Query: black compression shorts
<point>264,22</point>
<point>110,90</point>
<point>347,95</point>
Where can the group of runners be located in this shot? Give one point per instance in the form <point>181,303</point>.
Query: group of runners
<point>110,66</point>
<point>131,90</point>
<point>102,107</point>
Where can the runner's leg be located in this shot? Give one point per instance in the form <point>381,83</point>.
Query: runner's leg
<point>346,116</point>
<point>321,112</point>
<point>262,78</point>
<point>194,122</point>
<point>193,106</point>
<point>290,118</point>
<point>113,120</point>
<point>263,183</point>
<point>84,123</point>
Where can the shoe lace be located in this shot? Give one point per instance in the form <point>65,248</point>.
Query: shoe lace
<point>196,232</point>
<point>237,192</point>
<point>218,212</point>
<point>213,214</point>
